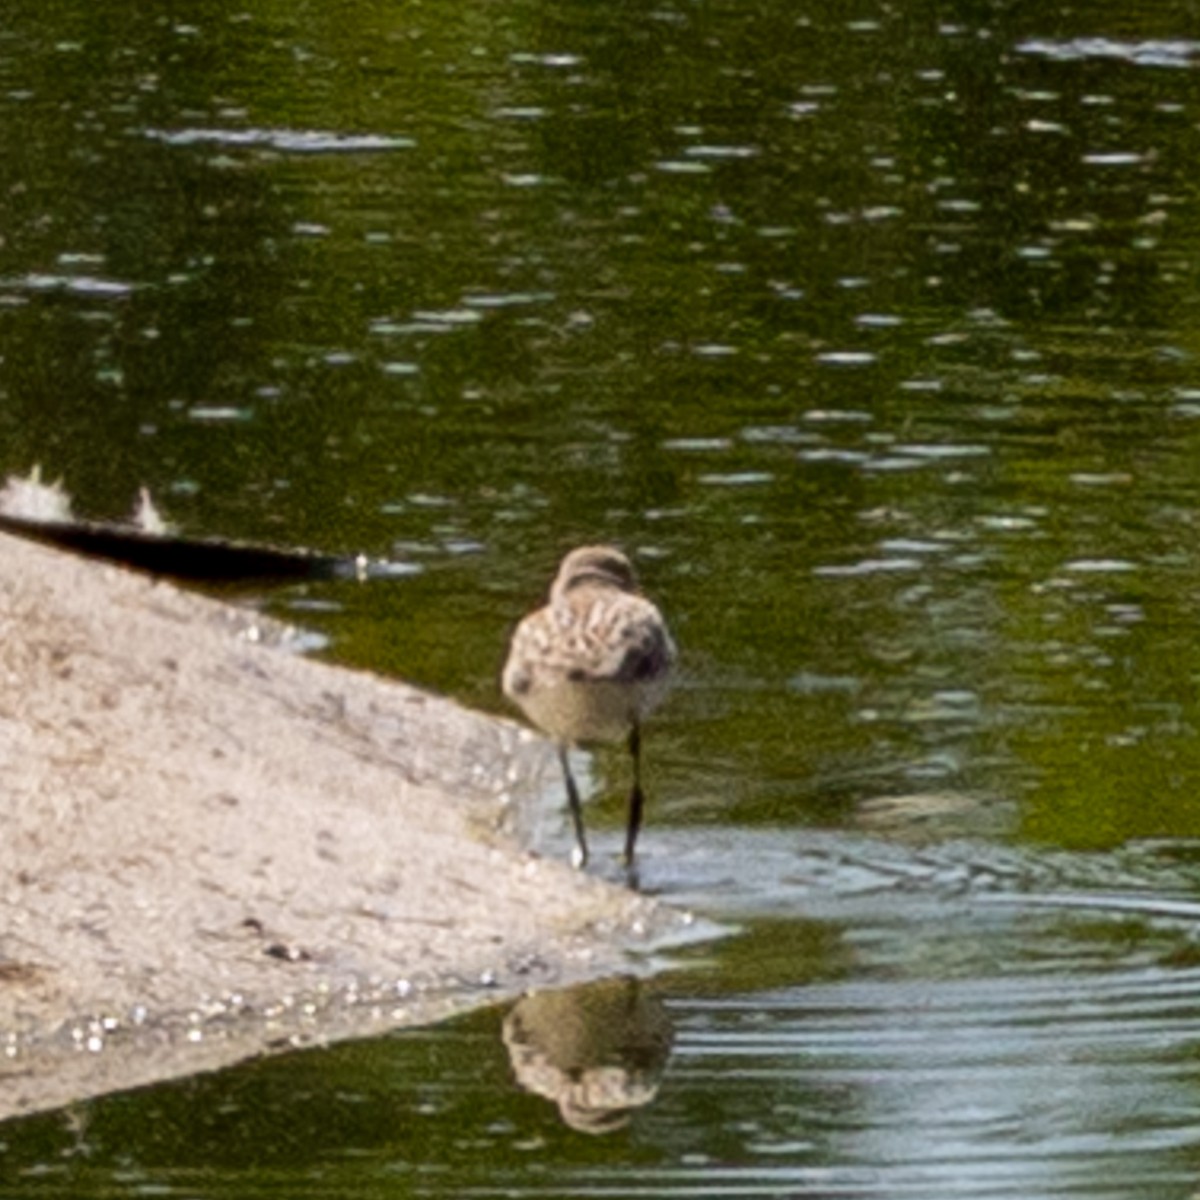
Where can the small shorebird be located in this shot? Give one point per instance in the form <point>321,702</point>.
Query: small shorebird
<point>589,666</point>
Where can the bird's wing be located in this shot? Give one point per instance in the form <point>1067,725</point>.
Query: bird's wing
<point>617,637</point>
<point>595,636</point>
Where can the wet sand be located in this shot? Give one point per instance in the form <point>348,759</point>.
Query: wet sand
<point>213,847</point>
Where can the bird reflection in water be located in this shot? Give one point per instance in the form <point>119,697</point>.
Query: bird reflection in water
<point>597,1051</point>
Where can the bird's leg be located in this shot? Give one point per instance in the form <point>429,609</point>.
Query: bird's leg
<point>579,855</point>
<point>636,799</point>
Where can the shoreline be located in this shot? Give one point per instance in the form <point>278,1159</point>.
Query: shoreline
<point>217,848</point>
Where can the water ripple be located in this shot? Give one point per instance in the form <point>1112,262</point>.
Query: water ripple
<point>1150,53</point>
<point>304,141</point>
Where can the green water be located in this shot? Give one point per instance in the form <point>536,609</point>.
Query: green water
<point>871,332</point>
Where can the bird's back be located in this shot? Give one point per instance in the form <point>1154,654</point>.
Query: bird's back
<point>590,663</point>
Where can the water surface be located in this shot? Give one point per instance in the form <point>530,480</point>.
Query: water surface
<point>871,334</point>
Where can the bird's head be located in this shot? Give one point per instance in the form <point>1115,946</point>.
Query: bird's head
<point>604,565</point>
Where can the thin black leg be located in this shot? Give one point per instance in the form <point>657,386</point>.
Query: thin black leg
<point>579,855</point>
<point>636,799</point>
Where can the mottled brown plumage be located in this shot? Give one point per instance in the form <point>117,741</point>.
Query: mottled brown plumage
<point>590,665</point>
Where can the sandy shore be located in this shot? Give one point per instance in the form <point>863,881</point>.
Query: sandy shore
<point>213,847</point>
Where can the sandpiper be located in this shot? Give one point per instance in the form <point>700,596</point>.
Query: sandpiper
<point>589,666</point>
